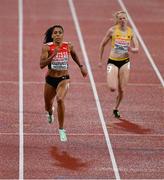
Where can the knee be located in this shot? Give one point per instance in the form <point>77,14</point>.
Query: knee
<point>59,99</point>
<point>112,88</point>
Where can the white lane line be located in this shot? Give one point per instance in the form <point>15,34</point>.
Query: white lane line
<point>142,43</point>
<point>86,59</point>
<point>21,138</point>
<point>65,178</point>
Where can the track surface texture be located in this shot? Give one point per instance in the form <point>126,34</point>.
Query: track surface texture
<point>137,139</point>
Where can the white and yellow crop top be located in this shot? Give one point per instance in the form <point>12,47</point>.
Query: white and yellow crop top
<point>120,40</point>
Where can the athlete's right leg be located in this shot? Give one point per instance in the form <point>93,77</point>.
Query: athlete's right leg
<point>113,84</point>
<point>49,95</point>
<point>112,77</point>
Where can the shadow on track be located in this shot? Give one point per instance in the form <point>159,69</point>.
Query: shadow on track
<point>129,126</point>
<point>65,160</point>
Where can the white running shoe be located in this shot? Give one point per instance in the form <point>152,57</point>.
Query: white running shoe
<point>50,117</point>
<point>62,134</point>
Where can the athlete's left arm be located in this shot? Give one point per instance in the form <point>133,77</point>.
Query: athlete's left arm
<point>135,45</point>
<point>77,61</point>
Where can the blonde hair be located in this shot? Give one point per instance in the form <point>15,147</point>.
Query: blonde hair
<point>116,14</point>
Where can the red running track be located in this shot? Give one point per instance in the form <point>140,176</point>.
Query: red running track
<point>137,139</point>
<point>9,139</point>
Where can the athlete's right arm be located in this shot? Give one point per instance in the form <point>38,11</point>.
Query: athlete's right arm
<point>103,43</point>
<point>45,59</point>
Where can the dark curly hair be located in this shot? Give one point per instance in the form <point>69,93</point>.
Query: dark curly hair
<point>49,32</point>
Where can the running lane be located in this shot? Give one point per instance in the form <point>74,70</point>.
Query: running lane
<point>151,12</point>
<point>138,137</point>
<point>9,137</point>
<point>85,155</point>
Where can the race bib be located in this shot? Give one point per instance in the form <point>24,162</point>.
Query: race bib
<point>60,61</point>
<point>121,46</point>
<point>59,65</point>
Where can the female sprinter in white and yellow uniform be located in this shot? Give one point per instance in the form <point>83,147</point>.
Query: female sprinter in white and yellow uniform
<point>123,41</point>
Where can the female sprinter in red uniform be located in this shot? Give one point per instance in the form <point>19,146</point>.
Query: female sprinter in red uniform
<point>123,41</point>
<point>55,55</point>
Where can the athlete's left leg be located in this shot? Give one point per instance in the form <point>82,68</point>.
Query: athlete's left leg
<point>124,72</point>
<point>61,93</point>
